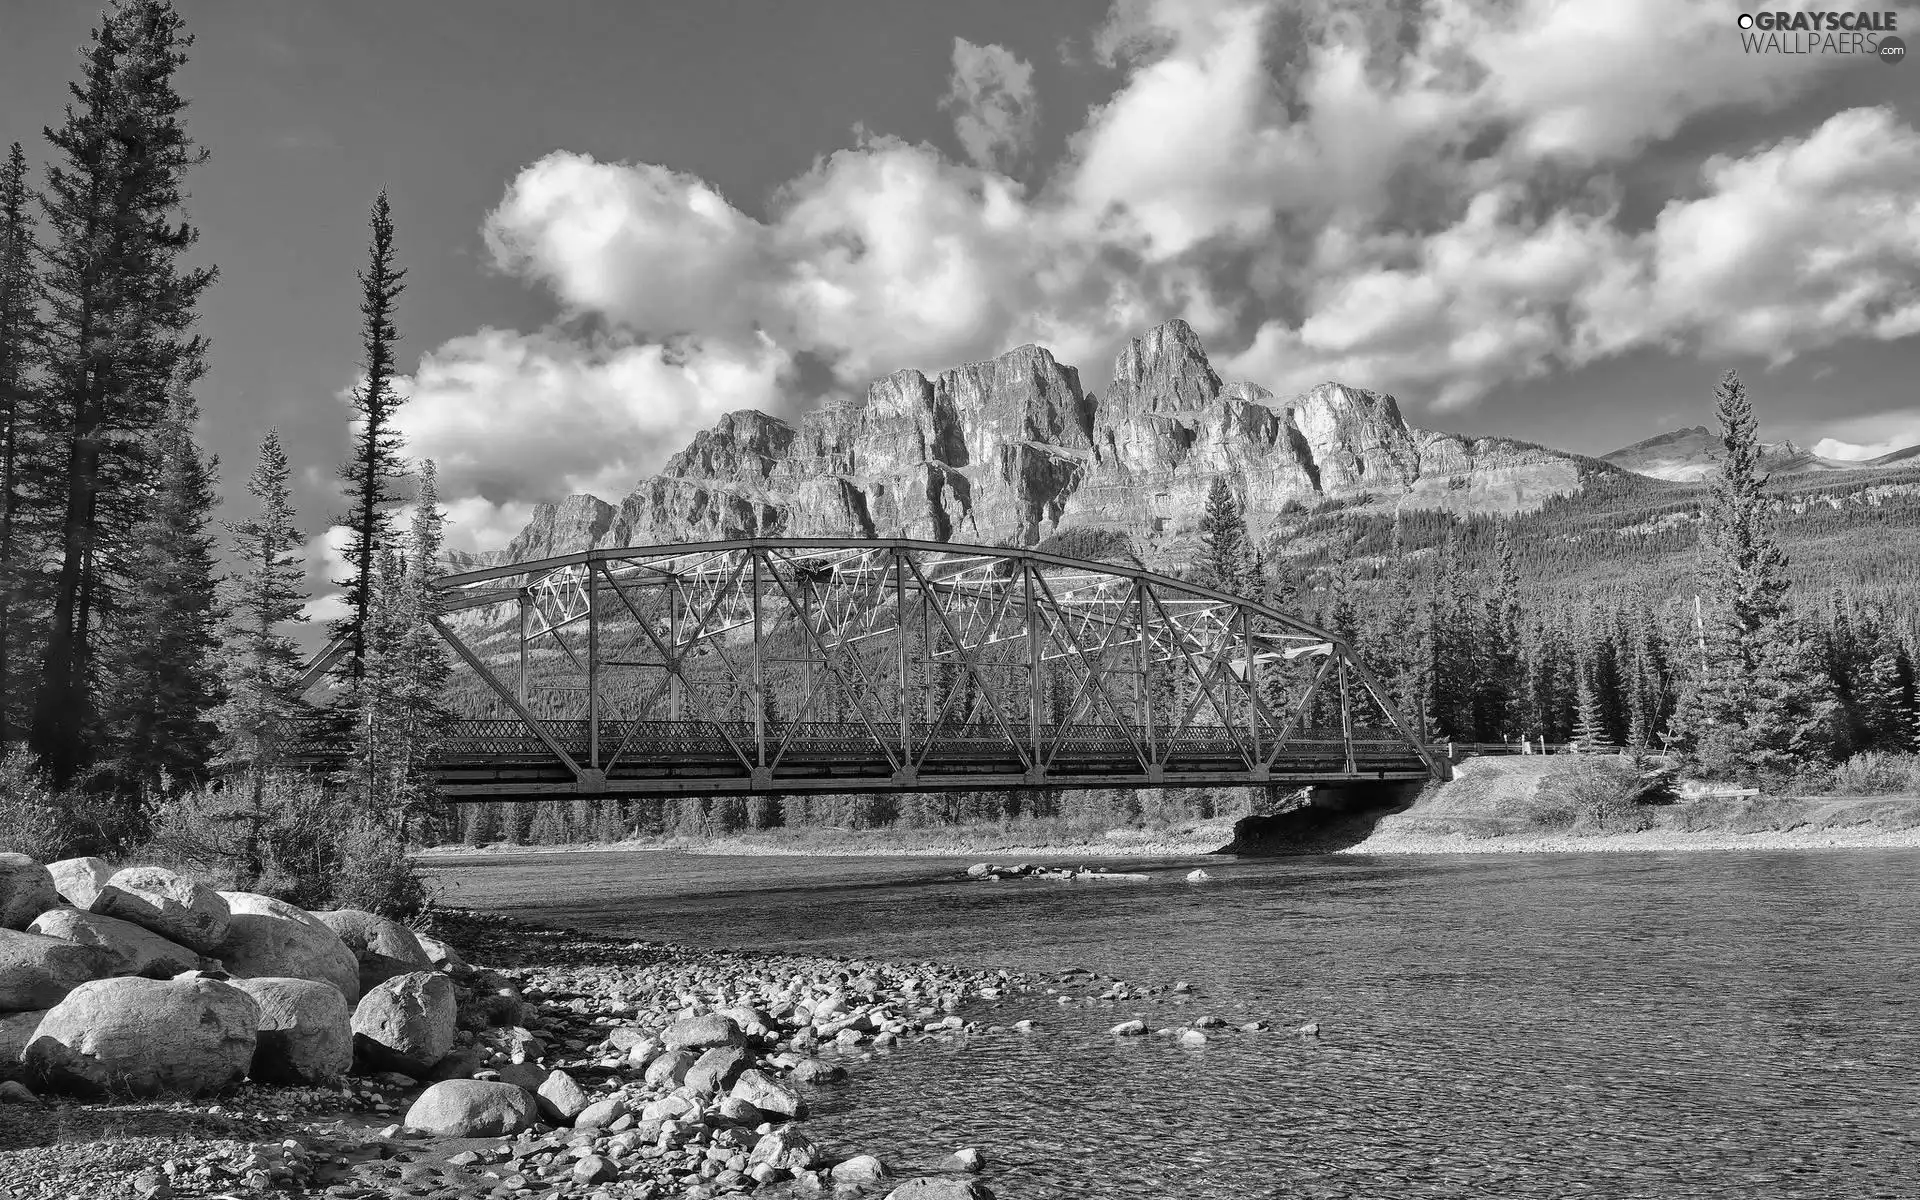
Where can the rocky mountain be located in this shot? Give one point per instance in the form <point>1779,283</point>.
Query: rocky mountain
<point>1692,455</point>
<point>1015,449</point>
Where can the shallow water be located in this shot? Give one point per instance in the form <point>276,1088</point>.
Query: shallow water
<point>1617,1025</point>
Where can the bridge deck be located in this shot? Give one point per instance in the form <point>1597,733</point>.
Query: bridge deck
<point>504,759</point>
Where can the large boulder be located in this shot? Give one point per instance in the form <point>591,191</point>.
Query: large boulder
<point>177,908</point>
<point>715,1071</point>
<point>472,1108</point>
<point>704,1033</point>
<point>38,972</point>
<point>788,1149</point>
<point>147,1037</point>
<point>16,1030</point>
<point>26,890</point>
<point>774,1099</point>
<point>271,939</point>
<point>133,950</point>
<point>405,1024</point>
<point>383,948</point>
<point>560,1098</point>
<point>79,880</point>
<point>305,1034</point>
<point>438,952</point>
<point>669,1070</point>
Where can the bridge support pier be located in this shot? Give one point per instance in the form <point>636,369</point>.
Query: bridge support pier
<point>1334,817</point>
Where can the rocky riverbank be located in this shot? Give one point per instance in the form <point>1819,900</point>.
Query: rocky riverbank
<point>569,1065</point>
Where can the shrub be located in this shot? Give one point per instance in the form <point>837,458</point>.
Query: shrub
<point>34,820</point>
<point>1875,773</point>
<point>1603,793</point>
<point>374,872</point>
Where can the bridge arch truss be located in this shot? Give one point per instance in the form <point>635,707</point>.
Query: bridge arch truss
<point>773,666</point>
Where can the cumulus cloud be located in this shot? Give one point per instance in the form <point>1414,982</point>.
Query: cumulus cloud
<point>1425,201</point>
<point>992,100</point>
<point>1872,436</point>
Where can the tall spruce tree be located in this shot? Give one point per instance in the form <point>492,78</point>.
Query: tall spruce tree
<point>402,713</point>
<point>116,336</point>
<point>1757,702</point>
<point>1226,552</point>
<point>371,475</point>
<point>18,352</point>
<point>160,682</point>
<point>259,661</point>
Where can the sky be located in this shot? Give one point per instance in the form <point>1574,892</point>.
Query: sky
<point>1555,221</point>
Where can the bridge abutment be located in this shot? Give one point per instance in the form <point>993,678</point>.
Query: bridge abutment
<point>1334,817</point>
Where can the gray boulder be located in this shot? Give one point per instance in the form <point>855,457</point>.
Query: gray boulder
<point>703,1033</point>
<point>473,1108</point>
<point>715,1070</point>
<point>305,1032</point>
<point>438,952</point>
<point>147,1037</point>
<point>788,1149</point>
<point>177,908</point>
<point>38,972</point>
<point>405,1024</point>
<point>778,1101</point>
<point>670,1069</point>
<point>383,948</point>
<point>79,880</point>
<point>131,949</point>
<point>271,939</point>
<point>26,890</point>
<point>560,1098</point>
<point>862,1170</point>
<point>601,1113</point>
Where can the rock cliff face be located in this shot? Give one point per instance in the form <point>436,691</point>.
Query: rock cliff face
<point>1013,449</point>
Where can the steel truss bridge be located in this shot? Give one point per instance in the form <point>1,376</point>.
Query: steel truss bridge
<point>792,665</point>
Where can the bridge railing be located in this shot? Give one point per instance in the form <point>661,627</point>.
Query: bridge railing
<point>508,740</point>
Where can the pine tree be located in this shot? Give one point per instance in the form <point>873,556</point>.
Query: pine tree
<point>115,338</point>
<point>1226,554</point>
<point>161,684</point>
<point>259,662</point>
<point>402,714</point>
<point>1757,701</point>
<point>370,476</point>
<point>1590,727</point>
<point>18,314</point>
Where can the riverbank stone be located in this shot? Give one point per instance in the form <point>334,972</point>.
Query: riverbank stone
<point>172,905</point>
<point>703,1033</point>
<point>147,1037</point>
<point>26,890</point>
<point>1134,1028</point>
<point>601,1113</point>
<point>305,1034</point>
<point>79,880</point>
<point>382,948</point>
<point>778,1101</point>
<point>271,939</point>
<point>131,949</point>
<point>560,1098</point>
<point>472,1108</point>
<point>716,1070</point>
<point>862,1170</point>
<point>38,972</point>
<point>670,1069</point>
<point>964,1159</point>
<point>405,1024</point>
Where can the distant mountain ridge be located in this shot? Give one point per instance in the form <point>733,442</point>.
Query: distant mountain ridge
<point>1693,454</point>
<point>1013,449</point>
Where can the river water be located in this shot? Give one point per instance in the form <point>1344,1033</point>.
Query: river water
<point>1612,1025</point>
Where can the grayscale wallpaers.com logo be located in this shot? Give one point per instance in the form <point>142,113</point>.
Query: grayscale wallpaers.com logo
<point>1866,33</point>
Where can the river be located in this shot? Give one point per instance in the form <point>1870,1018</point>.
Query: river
<point>1615,1025</point>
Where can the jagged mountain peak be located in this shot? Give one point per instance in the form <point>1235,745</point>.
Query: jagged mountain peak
<point>1013,448</point>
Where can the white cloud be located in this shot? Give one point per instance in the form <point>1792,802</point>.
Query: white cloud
<point>1872,436</point>
<point>994,111</point>
<point>1423,204</point>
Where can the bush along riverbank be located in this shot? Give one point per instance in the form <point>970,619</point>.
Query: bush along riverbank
<point>187,1042</point>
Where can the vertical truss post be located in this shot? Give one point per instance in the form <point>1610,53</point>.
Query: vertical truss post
<point>900,652</point>
<point>1146,677</point>
<point>525,606</point>
<point>759,673</point>
<point>1033,664</point>
<point>1346,711</point>
<point>674,683</point>
<point>593,669</point>
<point>1246,681</point>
